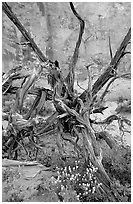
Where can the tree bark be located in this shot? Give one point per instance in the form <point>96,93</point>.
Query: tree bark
<point>7,10</point>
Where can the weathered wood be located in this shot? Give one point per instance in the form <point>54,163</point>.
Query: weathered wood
<point>107,137</point>
<point>7,10</point>
<point>111,69</point>
<point>71,75</point>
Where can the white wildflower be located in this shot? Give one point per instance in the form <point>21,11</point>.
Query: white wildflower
<point>93,189</point>
<point>73,168</point>
<point>69,168</point>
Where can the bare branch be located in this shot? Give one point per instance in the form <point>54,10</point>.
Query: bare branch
<point>111,81</point>
<point>111,69</point>
<point>7,10</point>
<point>106,90</point>
<point>80,86</point>
<point>110,49</point>
<point>125,53</point>
<point>107,137</point>
<point>71,76</point>
<point>108,120</point>
<point>89,81</point>
<point>35,103</point>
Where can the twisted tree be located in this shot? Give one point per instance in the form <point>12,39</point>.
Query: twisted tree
<point>70,119</point>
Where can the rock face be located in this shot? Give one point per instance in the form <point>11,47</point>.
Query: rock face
<point>101,21</point>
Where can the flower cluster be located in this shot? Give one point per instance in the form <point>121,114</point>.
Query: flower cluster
<point>80,177</point>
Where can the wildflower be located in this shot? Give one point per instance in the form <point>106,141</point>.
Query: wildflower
<point>78,197</point>
<point>73,168</point>
<point>62,187</point>
<point>77,167</point>
<point>93,189</point>
<point>58,178</point>
<point>99,184</point>
<point>87,170</point>
<point>69,168</point>
<point>72,175</point>
<point>58,172</point>
<point>90,170</point>
<point>88,184</point>
<point>90,177</point>
<point>76,162</point>
<point>86,188</point>
<point>94,169</point>
<point>65,169</point>
<point>76,175</point>
<point>85,193</point>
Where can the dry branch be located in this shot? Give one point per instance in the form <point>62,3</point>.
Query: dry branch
<point>47,63</point>
<point>71,76</point>
<point>9,162</point>
<point>7,10</point>
<point>111,69</point>
<point>111,81</point>
<point>33,107</point>
<point>110,49</point>
<point>107,137</point>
